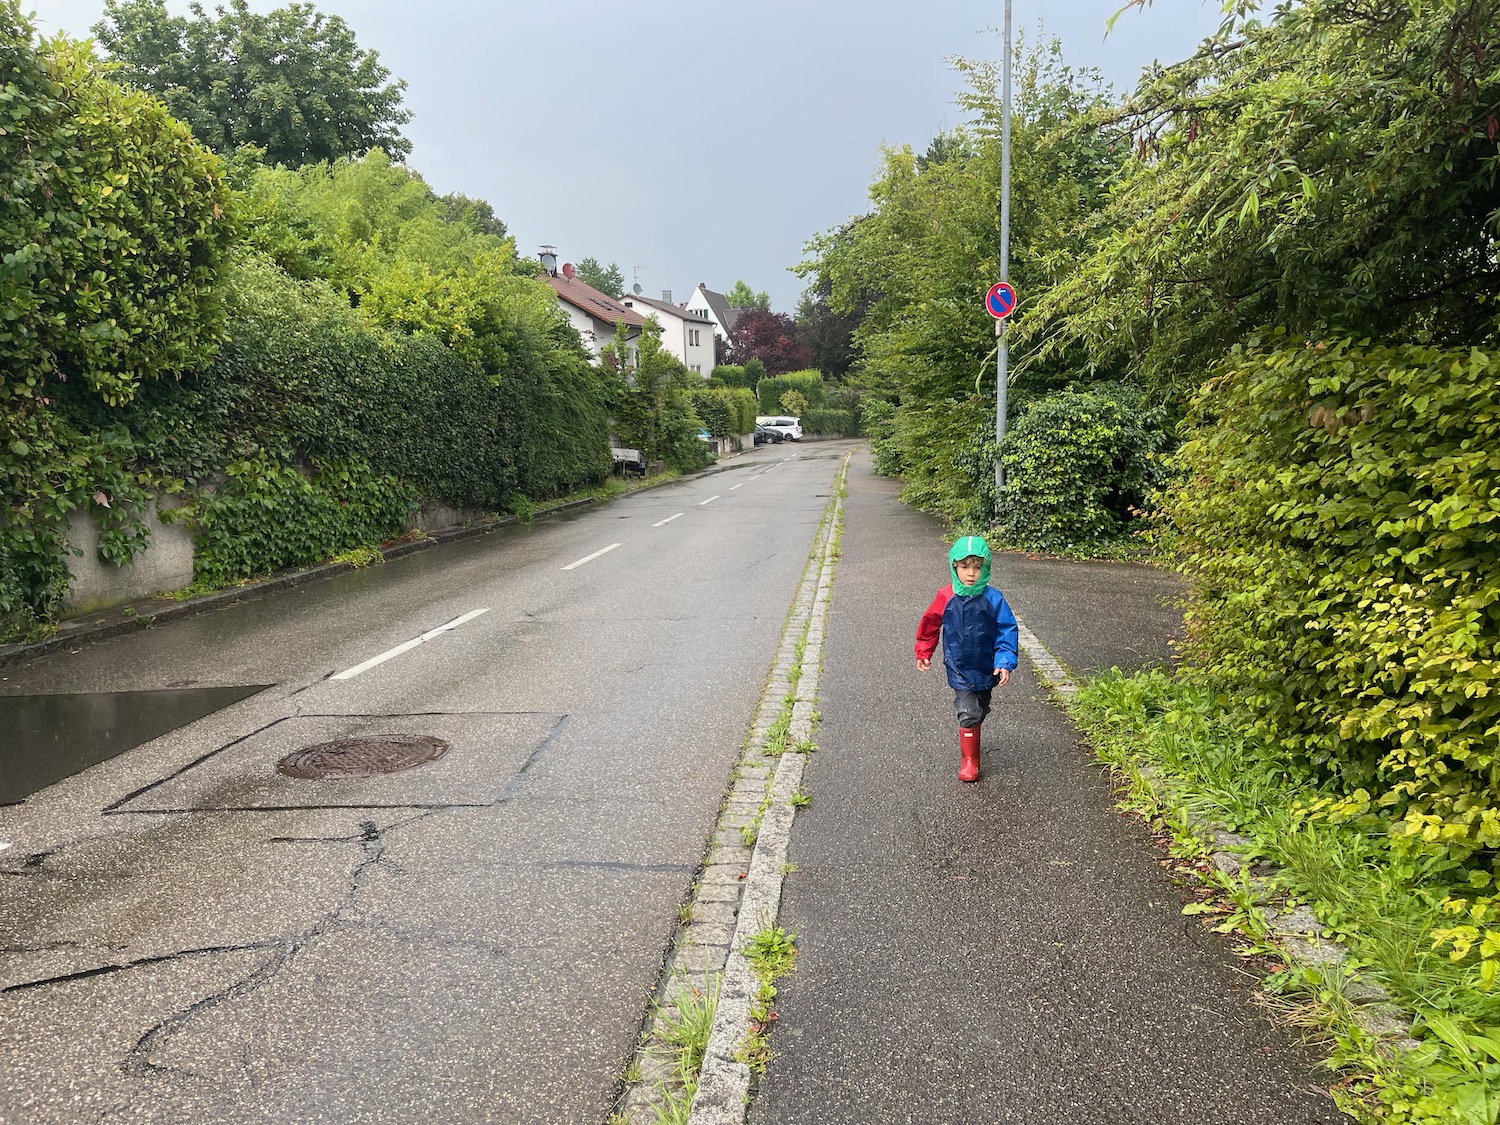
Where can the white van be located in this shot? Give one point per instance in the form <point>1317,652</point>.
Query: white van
<point>788,427</point>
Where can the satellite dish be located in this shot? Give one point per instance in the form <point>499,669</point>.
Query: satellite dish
<point>636,288</point>
<point>569,271</point>
<point>549,263</point>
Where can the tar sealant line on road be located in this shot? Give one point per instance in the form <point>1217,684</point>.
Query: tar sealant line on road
<point>591,558</point>
<point>669,519</point>
<point>407,646</point>
<point>738,892</point>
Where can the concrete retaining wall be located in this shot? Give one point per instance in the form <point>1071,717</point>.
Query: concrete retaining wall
<point>165,564</point>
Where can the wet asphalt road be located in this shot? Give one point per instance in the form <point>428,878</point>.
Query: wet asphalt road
<point>187,935</point>
<point>1007,951</point>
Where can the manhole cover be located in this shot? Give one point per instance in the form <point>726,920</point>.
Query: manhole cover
<point>362,757</point>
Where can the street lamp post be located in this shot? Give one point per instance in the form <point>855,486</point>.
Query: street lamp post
<point>1000,387</point>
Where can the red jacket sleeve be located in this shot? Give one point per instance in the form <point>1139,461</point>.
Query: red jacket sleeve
<point>931,625</point>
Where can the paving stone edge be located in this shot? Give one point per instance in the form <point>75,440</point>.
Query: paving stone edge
<point>738,889</point>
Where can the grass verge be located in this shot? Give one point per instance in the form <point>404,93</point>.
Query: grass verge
<point>1180,763</point>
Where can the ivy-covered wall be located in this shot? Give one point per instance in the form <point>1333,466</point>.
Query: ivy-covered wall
<point>298,358</point>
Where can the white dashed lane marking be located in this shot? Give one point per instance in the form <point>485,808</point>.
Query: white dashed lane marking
<point>591,558</point>
<point>407,646</point>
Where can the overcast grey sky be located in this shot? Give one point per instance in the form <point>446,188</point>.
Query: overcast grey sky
<point>695,141</point>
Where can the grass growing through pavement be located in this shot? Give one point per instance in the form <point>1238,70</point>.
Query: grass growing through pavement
<point>1379,899</point>
<point>683,1031</point>
<point>772,952</point>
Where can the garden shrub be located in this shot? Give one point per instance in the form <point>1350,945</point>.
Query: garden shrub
<point>652,406</point>
<point>731,375</point>
<point>1339,514</point>
<point>1077,463</point>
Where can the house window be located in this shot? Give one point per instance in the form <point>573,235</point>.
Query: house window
<point>697,369</point>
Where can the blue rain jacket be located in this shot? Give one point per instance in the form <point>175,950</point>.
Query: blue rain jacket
<point>978,634</point>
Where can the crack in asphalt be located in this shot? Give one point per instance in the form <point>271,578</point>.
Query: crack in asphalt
<point>140,1060</point>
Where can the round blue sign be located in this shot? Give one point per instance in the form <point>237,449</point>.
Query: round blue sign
<point>1000,301</point>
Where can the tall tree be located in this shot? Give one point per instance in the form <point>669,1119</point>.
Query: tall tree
<point>607,279</point>
<point>771,338</point>
<point>476,213</point>
<point>828,333</point>
<point>292,81</point>
<point>1333,168</point>
<point>741,296</point>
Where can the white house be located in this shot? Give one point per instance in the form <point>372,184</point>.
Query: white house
<point>714,306</point>
<point>687,335</point>
<point>594,315</point>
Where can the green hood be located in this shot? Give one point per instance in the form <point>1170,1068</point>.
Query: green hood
<point>969,545</point>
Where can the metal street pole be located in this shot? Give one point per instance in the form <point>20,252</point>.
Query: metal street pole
<point>1000,387</point>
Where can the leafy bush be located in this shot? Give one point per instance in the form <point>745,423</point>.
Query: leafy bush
<point>1340,517</point>
<point>652,406</point>
<point>1076,464</point>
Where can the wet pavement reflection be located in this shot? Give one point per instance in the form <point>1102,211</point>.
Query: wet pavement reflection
<point>45,738</point>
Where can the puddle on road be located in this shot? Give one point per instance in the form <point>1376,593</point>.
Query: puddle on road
<point>45,738</point>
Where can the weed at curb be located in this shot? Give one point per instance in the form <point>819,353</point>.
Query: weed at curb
<point>772,953</point>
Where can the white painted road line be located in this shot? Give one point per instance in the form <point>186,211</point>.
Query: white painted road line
<point>669,519</point>
<point>710,500</point>
<point>740,485</point>
<point>591,558</point>
<point>407,646</point>
<point>454,624</point>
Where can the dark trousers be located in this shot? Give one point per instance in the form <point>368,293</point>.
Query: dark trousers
<point>972,706</point>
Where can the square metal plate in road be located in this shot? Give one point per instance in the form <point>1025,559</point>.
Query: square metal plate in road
<point>486,750</point>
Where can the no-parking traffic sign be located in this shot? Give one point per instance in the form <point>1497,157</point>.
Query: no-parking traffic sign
<point>1000,301</point>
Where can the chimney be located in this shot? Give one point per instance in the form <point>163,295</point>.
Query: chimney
<point>666,296</point>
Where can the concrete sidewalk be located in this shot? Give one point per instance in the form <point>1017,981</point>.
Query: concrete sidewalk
<point>1008,951</point>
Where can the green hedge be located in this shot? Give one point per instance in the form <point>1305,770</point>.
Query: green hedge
<point>1340,516</point>
<point>830,421</point>
<point>1077,464</point>
<point>725,411</point>
<point>809,384</point>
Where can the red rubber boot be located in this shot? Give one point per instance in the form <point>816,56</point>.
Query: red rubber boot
<point>968,745</point>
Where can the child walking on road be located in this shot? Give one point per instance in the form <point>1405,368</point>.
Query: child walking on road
<point>979,642</point>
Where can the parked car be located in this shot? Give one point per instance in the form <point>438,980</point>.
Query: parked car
<point>788,427</point>
<point>764,436</point>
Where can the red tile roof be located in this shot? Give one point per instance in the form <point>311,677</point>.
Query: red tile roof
<point>598,305</point>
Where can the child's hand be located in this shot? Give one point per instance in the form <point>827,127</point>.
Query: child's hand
<point>1004,674</point>
<point>923,665</point>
